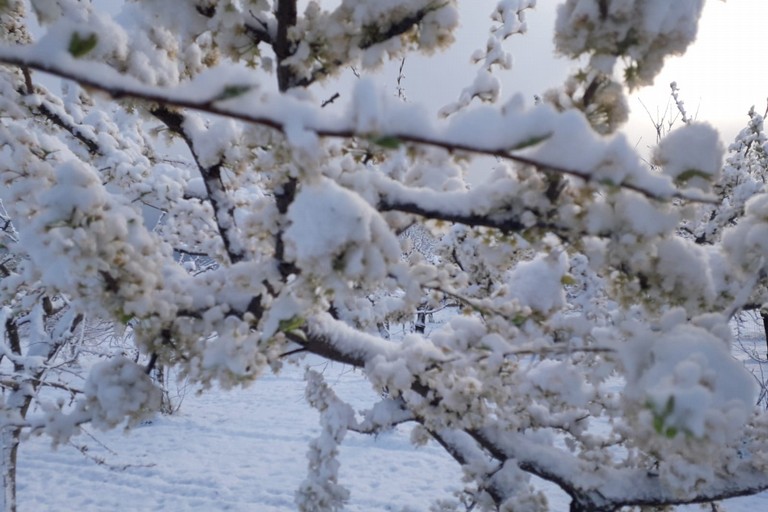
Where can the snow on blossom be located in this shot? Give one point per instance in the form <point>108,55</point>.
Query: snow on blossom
<point>320,491</point>
<point>646,31</point>
<point>118,390</point>
<point>332,229</point>
<point>691,155</point>
<point>537,283</point>
<point>368,106</point>
<point>688,379</point>
<point>104,239</point>
<point>681,265</point>
<point>563,380</point>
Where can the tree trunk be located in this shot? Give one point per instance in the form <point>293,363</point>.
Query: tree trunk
<point>764,316</point>
<point>421,321</point>
<point>166,405</point>
<point>10,446</point>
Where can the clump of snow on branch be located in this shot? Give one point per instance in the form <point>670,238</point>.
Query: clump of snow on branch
<point>644,31</point>
<point>685,382</point>
<point>538,283</point>
<point>118,390</point>
<point>321,491</point>
<point>510,14</point>
<point>692,155</point>
<point>333,230</point>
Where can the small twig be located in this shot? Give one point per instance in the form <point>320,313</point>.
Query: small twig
<point>101,461</point>
<point>400,78</point>
<point>194,254</point>
<point>559,350</point>
<point>28,80</point>
<point>151,363</point>
<point>85,431</point>
<point>292,352</point>
<point>330,100</point>
<point>679,103</point>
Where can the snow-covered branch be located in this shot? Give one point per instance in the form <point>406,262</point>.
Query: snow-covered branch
<point>242,101</point>
<point>580,298</point>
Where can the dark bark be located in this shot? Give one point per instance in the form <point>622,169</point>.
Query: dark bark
<point>214,185</point>
<point>764,316</point>
<point>20,398</point>
<point>286,19</point>
<point>10,445</point>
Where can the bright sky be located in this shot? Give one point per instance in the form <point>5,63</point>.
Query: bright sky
<point>721,76</point>
<point>723,73</point>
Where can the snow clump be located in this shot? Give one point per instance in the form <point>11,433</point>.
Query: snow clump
<point>118,389</point>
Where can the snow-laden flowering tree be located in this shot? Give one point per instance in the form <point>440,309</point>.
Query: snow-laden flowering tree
<point>624,394</point>
<point>743,176</point>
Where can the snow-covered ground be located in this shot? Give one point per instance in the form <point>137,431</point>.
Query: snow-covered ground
<point>244,450</point>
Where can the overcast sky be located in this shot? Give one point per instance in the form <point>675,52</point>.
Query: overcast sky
<point>723,73</point>
<point>720,77</point>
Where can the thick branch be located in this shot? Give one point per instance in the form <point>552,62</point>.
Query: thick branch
<point>337,342</point>
<point>55,118</point>
<point>374,35</point>
<point>216,192</point>
<point>89,143</point>
<point>283,198</point>
<point>507,224</point>
<point>459,452</point>
<point>283,46</point>
<point>214,105</point>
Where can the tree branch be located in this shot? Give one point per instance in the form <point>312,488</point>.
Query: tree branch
<point>506,224</point>
<point>214,105</point>
<point>547,462</point>
<point>373,35</point>
<point>259,34</point>
<point>45,110</point>
<point>217,194</point>
<point>283,46</point>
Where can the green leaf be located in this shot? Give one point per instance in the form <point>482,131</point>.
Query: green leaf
<point>658,423</point>
<point>232,91</point>
<point>290,324</point>
<point>607,182</point>
<point>692,173</point>
<point>124,318</point>
<point>79,45</point>
<point>631,75</point>
<point>660,418</point>
<point>519,320</point>
<point>387,141</point>
<point>532,141</point>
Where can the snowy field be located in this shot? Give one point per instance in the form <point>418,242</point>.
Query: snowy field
<point>232,450</point>
<point>244,450</point>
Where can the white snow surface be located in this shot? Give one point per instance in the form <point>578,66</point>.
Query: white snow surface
<point>245,450</point>
<point>236,450</point>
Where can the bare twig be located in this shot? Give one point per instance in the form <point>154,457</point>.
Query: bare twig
<point>330,100</point>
